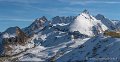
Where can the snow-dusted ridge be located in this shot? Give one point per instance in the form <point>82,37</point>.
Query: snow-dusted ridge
<point>101,49</point>
<point>63,39</point>
<point>106,21</point>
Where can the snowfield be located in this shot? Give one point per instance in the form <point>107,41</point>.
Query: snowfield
<point>101,49</point>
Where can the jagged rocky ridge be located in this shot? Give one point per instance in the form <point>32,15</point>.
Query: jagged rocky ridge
<point>109,23</point>
<point>11,39</point>
<point>58,39</point>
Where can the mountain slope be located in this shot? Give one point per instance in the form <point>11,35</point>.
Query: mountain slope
<point>14,41</point>
<point>10,32</point>
<point>105,21</point>
<point>117,24</point>
<point>87,24</point>
<point>37,25</point>
<point>62,39</point>
<point>101,49</point>
<point>58,19</point>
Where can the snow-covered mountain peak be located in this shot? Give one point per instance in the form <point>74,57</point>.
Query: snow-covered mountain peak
<point>62,39</point>
<point>58,19</point>
<point>86,11</point>
<point>11,30</point>
<point>39,21</point>
<point>38,24</point>
<point>87,24</point>
<point>85,14</point>
<point>105,21</point>
<point>43,18</point>
<point>100,16</point>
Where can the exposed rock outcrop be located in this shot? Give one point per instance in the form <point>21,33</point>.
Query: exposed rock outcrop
<point>38,24</point>
<point>21,36</point>
<point>20,39</point>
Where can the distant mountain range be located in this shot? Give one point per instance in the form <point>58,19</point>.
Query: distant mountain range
<point>82,38</point>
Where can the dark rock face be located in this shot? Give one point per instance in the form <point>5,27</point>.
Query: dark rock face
<point>37,24</point>
<point>20,39</point>
<point>85,11</point>
<point>59,19</point>
<point>21,36</point>
<point>1,49</point>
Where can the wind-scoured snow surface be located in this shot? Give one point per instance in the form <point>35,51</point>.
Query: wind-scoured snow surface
<point>101,49</point>
<point>41,53</point>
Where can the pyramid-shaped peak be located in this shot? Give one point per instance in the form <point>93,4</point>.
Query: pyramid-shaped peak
<point>11,30</point>
<point>86,11</point>
<point>17,28</point>
<point>43,18</point>
<point>99,16</point>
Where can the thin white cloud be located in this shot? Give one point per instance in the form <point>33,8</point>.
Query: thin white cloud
<point>112,2</point>
<point>83,2</point>
<point>22,1</point>
<point>14,19</point>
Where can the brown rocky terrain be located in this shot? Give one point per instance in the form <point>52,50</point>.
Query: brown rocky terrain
<point>20,39</point>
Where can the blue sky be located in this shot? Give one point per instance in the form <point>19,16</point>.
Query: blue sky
<point>22,12</point>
